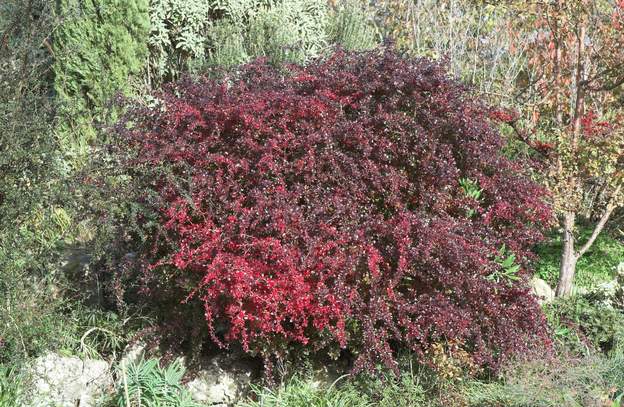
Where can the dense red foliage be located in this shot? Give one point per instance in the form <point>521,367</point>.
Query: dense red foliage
<point>322,206</point>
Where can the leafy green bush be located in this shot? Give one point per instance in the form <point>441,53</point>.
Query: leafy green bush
<point>351,27</point>
<point>177,37</point>
<point>146,383</point>
<point>188,35</point>
<point>97,46</point>
<point>596,266</point>
<point>610,294</point>
<point>581,326</point>
<point>32,224</point>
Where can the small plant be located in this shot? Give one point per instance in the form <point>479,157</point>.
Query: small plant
<point>450,361</point>
<point>100,338</point>
<point>146,383</point>
<point>10,387</point>
<point>472,190</point>
<point>508,268</point>
<point>190,35</point>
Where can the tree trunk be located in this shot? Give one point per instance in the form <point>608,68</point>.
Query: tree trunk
<point>568,257</point>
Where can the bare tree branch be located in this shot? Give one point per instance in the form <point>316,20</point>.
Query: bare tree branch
<point>599,226</point>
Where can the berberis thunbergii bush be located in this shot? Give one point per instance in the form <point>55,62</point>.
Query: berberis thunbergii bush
<point>324,206</point>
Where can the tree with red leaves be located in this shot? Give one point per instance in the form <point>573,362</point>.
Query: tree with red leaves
<point>361,202</point>
<point>575,69</point>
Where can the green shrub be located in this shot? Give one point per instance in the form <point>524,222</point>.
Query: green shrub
<point>581,326</point>
<point>611,293</point>
<point>32,225</point>
<point>97,47</point>
<point>351,27</point>
<point>189,35</point>
<point>287,31</point>
<point>177,37</point>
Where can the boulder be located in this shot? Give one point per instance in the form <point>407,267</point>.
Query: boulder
<point>61,381</point>
<point>222,380</point>
<point>542,290</point>
<point>132,353</point>
<point>609,293</point>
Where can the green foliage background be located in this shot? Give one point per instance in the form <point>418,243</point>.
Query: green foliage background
<point>98,47</point>
<point>62,61</point>
<point>32,223</point>
<point>41,209</point>
<point>189,35</point>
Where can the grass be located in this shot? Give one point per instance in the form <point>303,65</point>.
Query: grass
<point>561,380</point>
<point>10,387</point>
<point>596,266</point>
<point>298,391</point>
<point>555,381</point>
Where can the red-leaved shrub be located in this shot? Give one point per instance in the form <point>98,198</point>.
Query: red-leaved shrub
<point>322,206</point>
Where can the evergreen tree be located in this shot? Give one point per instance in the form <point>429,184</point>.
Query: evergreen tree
<point>98,46</point>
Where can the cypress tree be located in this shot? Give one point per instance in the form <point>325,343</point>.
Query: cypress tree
<point>98,46</point>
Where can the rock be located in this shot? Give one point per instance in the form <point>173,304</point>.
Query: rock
<point>610,293</point>
<point>542,290</point>
<point>133,353</point>
<point>324,377</point>
<point>60,381</point>
<point>221,381</point>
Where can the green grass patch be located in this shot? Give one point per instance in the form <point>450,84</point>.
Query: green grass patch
<point>596,266</point>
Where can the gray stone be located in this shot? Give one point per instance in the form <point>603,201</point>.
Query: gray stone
<point>59,381</point>
<point>542,290</point>
<point>609,293</point>
<point>221,381</point>
<point>133,353</point>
